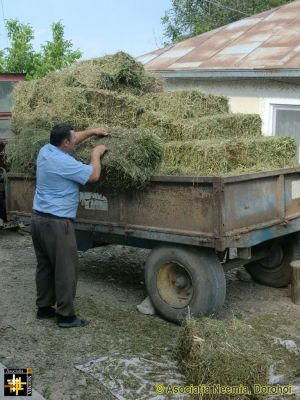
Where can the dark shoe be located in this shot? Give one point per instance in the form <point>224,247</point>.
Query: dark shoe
<point>45,312</point>
<point>75,322</point>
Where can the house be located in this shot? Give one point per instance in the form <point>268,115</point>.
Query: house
<point>254,61</point>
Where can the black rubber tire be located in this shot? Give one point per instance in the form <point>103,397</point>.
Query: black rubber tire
<point>279,275</point>
<point>206,276</point>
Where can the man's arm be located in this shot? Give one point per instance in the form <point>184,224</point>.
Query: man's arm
<point>83,135</point>
<point>95,162</point>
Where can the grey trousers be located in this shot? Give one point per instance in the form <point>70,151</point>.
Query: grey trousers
<point>57,262</point>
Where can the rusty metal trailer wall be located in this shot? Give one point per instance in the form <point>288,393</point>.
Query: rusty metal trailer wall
<point>220,212</point>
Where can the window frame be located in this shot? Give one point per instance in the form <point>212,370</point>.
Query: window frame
<point>268,112</point>
<point>286,107</point>
<point>10,78</point>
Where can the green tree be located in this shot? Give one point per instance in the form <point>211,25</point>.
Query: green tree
<point>21,57</point>
<point>188,18</point>
<point>58,53</point>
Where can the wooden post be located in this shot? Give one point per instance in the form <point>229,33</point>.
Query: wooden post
<point>295,266</point>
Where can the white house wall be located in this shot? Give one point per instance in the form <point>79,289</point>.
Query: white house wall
<point>246,96</point>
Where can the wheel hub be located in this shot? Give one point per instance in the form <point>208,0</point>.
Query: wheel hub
<point>274,258</point>
<point>174,285</point>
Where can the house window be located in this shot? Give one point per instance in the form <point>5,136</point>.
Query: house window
<point>286,122</point>
<point>6,104</point>
<point>6,96</point>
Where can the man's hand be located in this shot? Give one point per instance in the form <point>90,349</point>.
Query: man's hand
<point>100,132</point>
<point>99,150</point>
<point>83,135</point>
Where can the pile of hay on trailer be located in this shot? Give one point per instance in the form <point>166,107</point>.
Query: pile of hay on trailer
<point>43,102</point>
<point>222,157</point>
<point>197,131</point>
<point>99,92</point>
<point>102,90</point>
<point>232,353</point>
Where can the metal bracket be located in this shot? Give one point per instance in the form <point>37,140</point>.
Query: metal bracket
<point>244,253</point>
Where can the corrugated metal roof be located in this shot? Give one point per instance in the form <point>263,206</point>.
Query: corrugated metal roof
<point>269,41</point>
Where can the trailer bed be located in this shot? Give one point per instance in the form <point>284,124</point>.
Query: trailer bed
<point>219,212</point>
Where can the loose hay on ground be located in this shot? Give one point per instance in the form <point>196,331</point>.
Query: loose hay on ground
<point>229,353</point>
<point>208,157</point>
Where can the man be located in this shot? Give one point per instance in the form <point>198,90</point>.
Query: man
<point>54,208</point>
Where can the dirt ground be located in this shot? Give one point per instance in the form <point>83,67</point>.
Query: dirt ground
<point>110,286</point>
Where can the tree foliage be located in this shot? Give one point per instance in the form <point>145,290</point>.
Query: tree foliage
<point>20,56</point>
<point>188,18</point>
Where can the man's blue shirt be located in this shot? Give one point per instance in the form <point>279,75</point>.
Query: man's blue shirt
<point>58,177</point>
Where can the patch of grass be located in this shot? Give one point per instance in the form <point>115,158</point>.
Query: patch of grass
<point>46,392</point>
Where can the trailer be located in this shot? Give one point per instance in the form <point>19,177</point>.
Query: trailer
<point>197,228</point>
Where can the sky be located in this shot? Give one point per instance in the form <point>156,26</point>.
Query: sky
<point>95,27</point>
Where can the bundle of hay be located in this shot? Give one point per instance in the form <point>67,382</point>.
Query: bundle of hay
<point>132,158</point>
<point>228,353</point>
<point>117,72</point>
<point>41,103</point>
<point>212,157</point>
<point>22,151</point>
<point>113,108</point>
<point>185,103</point>
<point>226,125</point>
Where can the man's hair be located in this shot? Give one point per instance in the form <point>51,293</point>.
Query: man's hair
<point>59,133</point>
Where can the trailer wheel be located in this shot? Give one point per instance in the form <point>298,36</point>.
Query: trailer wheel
<point>274,269</point>
<point>184,279</point>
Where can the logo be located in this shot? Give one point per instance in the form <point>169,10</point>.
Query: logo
<point>17,382</point>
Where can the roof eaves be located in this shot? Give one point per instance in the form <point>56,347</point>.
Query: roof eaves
<point>231,74</point>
